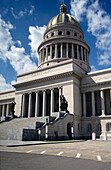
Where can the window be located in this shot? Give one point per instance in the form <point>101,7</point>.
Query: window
<point>68,32</point>
<point>108,127</point>
<point>60,33</point>
<point>47,36</point>
<point>78,126</point>
<point>52,34</point>
<point>98,127</point>
<point>75,34</point>
<point>89,128</point>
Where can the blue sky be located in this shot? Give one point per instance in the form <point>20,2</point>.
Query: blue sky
<point>23,22</point>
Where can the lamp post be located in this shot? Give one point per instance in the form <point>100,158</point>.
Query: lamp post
<point>46,129</point>
<point>39,132</point>
<point>72,130</point>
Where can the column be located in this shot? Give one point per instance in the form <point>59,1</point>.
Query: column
<point>102,102</point>
<point>40,57</point>
<point>36,104</point>
<point>60,93</point>
<point>88,56</point>
<point>7,110</point>
<point>56,51</point>
<point>47,53</point>
<point>84,104</point>
<point>61,50</point>
<point>30,105</point>
<point>78,52</point>
<point>67,50</point>
<point>85,54</point>
<point>3,110</point>
<point>110,101</point>
<point>52,101</point>
<point>81,53</point>
<point>93,103</point>
<point>43,55</point>
<point>44,103</point>
<point>0,110</point>
<point>23,105</point>
<point>72,50</point>
<point>50,51</point>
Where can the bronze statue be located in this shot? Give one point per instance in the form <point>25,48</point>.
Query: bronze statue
<point>64,103</point>
<point>12,106</point>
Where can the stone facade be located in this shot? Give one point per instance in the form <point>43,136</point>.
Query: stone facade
<point>63,70</point>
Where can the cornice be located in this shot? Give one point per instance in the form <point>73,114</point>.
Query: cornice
<point>62,38</point>
<point>49,78</point>
<point>96,84</point>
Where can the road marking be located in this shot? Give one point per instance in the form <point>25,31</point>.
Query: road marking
<point>29,151</point>
<point>99,157</point>
<point>43,152</point>
<point>60,153</point>
<point>107,155</point>
<point>78,155</point>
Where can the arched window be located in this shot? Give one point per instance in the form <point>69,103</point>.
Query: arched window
<point>68,32</point>
<point>75,34</point>
<point>98,127</point>
<point>60,33</point>
<point>52,34</point>
<point>108,127</point>
<point>89,128</point>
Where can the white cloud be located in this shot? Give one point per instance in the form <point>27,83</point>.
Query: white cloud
<point>16,55</point>
<point>19,60</point>
<point>19,43</point>
<point>23,12</point>
<point>5,38</point>
<point>99,24</point>
<point>31,10</point>
<point>78,8</point>
<point>93,68</point>
<point>36,36</point>
<point>3,85</point>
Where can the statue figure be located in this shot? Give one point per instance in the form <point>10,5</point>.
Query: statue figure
<point>12,109</point>
<point>64,103</point>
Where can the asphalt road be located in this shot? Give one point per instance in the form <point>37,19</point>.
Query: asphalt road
<point>94,150</point>
<point>25,161</point>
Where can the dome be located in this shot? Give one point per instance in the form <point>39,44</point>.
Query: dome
<point>63,18</point>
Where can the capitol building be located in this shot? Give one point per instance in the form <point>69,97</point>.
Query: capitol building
<point>63,70</point>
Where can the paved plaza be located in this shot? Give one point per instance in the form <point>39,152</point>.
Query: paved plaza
<point>93,150</point>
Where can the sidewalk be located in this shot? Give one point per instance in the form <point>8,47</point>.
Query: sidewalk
<point>13,143</point>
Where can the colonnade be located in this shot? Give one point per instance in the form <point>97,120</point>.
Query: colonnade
<point>5,109</point>
<point>41,103</point>
<point>63,50</point>
<point>98,102</point>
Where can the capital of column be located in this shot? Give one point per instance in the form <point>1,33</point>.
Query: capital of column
<point>30,93</point>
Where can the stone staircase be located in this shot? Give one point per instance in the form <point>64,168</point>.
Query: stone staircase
<point>13,129</point>
<point>26,128</point>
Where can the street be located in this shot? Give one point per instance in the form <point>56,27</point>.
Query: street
<point>22,161</point>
